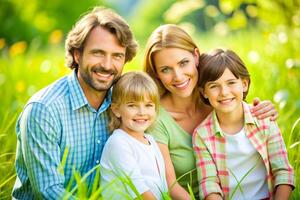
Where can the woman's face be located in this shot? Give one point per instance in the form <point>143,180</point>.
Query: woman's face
<point>177,70</point>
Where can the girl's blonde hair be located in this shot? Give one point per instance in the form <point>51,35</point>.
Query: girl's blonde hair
<point>165,36</point>
<point>132,86</point>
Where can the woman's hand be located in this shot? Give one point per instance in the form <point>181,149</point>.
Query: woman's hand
<point>264,109</point>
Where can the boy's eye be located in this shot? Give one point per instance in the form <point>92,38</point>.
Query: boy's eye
<point>212,86</point>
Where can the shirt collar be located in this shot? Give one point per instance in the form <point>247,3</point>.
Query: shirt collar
<point>78,98</point>
<point>248,119</point>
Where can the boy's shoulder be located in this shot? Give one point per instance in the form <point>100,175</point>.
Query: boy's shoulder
<point>206,126</point>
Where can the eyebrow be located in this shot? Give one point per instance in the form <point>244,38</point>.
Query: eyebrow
<point>102,51</point>
<point>183,59</point>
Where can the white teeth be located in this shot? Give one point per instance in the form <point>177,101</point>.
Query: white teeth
<point>182,84</point>
<point>226,100</point>
<point>103,75</point>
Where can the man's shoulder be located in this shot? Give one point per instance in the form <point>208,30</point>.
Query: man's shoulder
<point>55,92</point>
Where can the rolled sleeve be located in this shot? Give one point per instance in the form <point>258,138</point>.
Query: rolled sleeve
<point>281,169</point>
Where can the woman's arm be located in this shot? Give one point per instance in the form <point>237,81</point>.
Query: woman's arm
<point>177,192</point>
<point>264,109</point>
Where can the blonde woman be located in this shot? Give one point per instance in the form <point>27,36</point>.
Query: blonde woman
<point>172,60</point>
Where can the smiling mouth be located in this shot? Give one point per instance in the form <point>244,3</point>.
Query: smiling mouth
<point>182,85</point>
<point>225,101</point>
<point>140,120</point>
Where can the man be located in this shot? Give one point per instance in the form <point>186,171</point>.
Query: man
<point>68,119</point>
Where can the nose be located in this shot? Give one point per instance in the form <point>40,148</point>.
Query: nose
<point>177,74</point>
<point>224,90</point>
<point>107,62</point>
<point>141,110</point>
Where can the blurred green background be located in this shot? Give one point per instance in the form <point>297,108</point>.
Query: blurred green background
<point>266,34</point>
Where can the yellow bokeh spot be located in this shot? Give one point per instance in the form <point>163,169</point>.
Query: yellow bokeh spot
<point>17,48</point>
<point>56,36</point>
<point>20,86</point>
<point>2,43</point>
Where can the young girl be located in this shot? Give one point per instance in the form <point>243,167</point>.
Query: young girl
<point>237,155</point>
<point>129,152</point>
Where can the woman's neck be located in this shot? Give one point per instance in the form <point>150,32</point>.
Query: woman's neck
<point>175,103</point>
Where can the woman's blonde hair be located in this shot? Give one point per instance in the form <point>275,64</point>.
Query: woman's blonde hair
<point>165,36</point>
<point>132,86</point>
<point>107,19</point>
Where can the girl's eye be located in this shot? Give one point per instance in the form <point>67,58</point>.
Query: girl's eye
<point>150,105</point>
<point>130,105</point>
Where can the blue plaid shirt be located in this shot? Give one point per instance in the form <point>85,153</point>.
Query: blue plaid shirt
<point>57,119</point>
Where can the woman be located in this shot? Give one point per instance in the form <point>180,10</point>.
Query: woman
<point>172,59</point>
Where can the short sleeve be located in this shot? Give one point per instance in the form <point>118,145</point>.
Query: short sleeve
<point>159,129</point>
<point>119,161</point>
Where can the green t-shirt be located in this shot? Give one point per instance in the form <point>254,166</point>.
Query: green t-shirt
<point>166,131</point>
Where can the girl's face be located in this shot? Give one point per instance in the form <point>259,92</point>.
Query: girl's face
<point>176,69</point>
<point>135,117</point>
<point>226,93</point>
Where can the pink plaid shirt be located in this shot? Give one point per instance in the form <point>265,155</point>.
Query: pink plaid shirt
<point>209,147</point>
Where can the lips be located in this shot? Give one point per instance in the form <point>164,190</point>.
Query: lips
<point>226,101</point>
<point>103,74</point>
<point>182,85</point>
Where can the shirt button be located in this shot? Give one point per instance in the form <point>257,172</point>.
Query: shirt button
<point>97,161</point>
<point>98,141</point>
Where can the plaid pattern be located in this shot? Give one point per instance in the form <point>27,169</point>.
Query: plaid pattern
<point>209,147</point>
<point>58,119</point>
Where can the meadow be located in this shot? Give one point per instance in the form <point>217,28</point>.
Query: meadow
<point>266,35</point>
<point>25,68</point>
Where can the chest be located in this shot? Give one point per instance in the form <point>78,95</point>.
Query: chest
<point>188,122</point>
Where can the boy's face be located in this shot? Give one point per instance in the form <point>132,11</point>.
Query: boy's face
<point>135,117</point>
<point>226,93</point>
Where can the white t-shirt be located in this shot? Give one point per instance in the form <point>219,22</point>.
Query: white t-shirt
<point>241,158</point>
<point>144,164</point>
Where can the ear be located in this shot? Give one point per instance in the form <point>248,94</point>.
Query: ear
<point>77,55</point>
<point>197,56</point>
<point>245,83</point>
<point>115,110</point>
<point>203,93</point>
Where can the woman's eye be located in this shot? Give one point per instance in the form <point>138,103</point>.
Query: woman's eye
<point>184,63</point>
<point>165,70</point>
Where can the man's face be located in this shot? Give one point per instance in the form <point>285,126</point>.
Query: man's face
<point>101,61</point>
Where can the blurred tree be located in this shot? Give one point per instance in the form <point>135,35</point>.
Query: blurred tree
<point>23,20</point>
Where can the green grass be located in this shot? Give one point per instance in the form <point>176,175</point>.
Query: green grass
<point>274,69</point>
